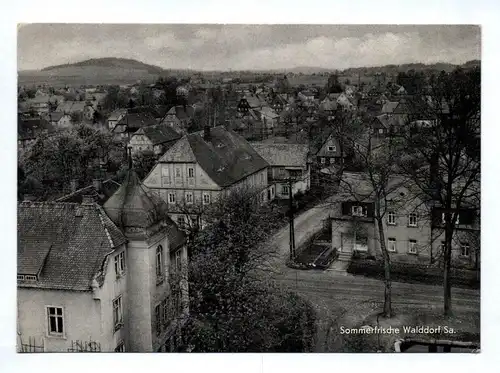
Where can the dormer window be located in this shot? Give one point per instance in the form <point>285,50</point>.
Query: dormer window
<point>332,148</point>
<point>358,211</point>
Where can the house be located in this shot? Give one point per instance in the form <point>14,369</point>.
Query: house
<point>325,152</point>
<point>39,104</point>
<point>70,107</point>
<point>346,102</point>
<point>94,277</point>
<point>389,107</point>
<point>384,125</point>
<point>179,117</point>
<point>413,229</point>
<point>29,129</point>
<point>131,122</point>
<point>406,223</point>
<point>156,138</point>
<point>201,166</point>
<point>288,166</point>
<point>115,117</point>
<point>268,117</point>
<point>183,90</point>
<point>59,120</point>
<point>328,107</point>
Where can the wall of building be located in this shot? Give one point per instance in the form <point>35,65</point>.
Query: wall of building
<point>140,143</point>
<point>82,318</point>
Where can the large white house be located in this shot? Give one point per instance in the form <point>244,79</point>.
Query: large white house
<point>100,278</point>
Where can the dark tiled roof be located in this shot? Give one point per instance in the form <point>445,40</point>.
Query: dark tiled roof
<point>294,155</point>
<point>31,128</point>
<point>73,239</point>
<point>226,157</point>
<point>181,112</point>
<point>159,133</point>
<point>55,116</point>
<point>100,196</point>
<point>135,121</point>
<point>389,107</point>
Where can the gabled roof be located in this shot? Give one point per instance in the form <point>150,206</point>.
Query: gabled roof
<point>71,106</point>
<point>115,115</point>
<point>268,112</point>
<point>66,243</point>
<point>386,120</point>
<point>55,116</point>
<point>226,157</point>
<point>108,187</point>
<point>159,133</point>
<point>292,155</point>
<point>134,121</point>
<point>181,112</point>
<point>254,100</point>
<point>389,107</point>
<point>31,128</point>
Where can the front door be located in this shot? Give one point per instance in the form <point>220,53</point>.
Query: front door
<point>347,243</point>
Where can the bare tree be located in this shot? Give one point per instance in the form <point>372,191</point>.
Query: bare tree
<point>379,162</point>
<point>443,150</point>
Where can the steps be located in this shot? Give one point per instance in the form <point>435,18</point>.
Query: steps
<point>344,256</point>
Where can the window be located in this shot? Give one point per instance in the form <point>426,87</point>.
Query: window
<point>190,172</point>
<point>412,247</point>
<point>158,315</point>
<point>20,277</point>
<point>391,218</point>
<point>159,264</point>
<point>358,211</point>
<point>176,261</point>
<point>391,245</point>
<point>171,198</point>
<point>323,160</point>
<point>117,313</point>
<point>206,198</point>
<point>443,218</point>
<point>464,249</point>
<point>412,220</point>
<point>120,264</point>
<point>286,189</point>
<point>164,312</point>
<point>181,221</point>
<point>55,321</point>
<point>165,174</point>
<point>189,198</point>
<point>380,130</point>
<point>120,347</point>
<point>443,246</point>
<point>177,172</point>
<point>332,148</point>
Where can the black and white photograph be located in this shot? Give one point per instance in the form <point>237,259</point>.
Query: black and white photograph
<point>235,188</point>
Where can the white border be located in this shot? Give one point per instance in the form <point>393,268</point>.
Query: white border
<point>249,11</point>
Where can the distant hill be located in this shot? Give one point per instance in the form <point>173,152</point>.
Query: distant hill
<point>109,62</point>
<point>93,72</point>
<point>394,69</point>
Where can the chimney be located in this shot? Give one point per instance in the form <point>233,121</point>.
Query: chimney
<point>88,199</point>
<point>97,183</point>
<point>73,185</point>
<point>206,133</point>
<point>29,198</point>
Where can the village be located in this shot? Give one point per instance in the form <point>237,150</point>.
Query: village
<point>250,212</point>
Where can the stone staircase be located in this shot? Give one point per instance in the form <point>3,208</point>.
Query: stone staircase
<point>344,256</point>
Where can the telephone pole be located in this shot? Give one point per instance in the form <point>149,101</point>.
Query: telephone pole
<point>291,220</point>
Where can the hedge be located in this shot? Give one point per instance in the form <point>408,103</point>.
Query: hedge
<point>413,273</point>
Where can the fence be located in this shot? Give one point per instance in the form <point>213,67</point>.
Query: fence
<point>31,345</point>
<point>85,346</point>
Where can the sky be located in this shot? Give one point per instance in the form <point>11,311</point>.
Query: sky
<point>247,47</point>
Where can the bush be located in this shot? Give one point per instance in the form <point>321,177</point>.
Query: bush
<point>413,273</point>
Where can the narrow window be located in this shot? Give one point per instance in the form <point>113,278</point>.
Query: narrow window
<point>117,313</point>
<point>412,247</point>
<point>159,264</point>
<point>391,245</point>
<point>55,321</point>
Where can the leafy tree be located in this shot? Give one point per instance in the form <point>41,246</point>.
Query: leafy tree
<point>233,308</point>
<point>53,161</point>
<point>76,117</point>
<point>144,162</point>
<point>333,85</point>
